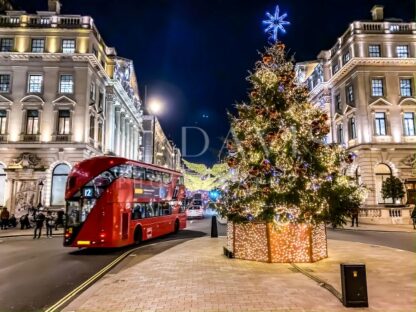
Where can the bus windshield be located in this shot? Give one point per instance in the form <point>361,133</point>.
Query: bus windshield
<point>78,210</point>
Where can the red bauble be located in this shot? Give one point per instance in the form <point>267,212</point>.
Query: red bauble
<point>267,59</point>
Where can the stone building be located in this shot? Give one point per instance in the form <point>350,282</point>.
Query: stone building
<point>366,81</point>
<point>64,96</point>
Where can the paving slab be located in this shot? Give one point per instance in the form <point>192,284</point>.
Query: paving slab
<point>195,276</point>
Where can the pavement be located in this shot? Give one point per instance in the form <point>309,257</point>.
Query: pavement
<point>195,276</point>
<point>13,232</point>
<point>408,228</point>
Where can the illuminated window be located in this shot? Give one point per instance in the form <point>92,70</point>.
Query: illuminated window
<point>346,57</point>
<point>340,134</point>
<point>59,177</point>
<point>4,83</point>
<point>35,84</point>
<point>380,124</point>
<point>66,84</point>
<point>374,50</point>
<point>335,68</point>
<point>402,51</point>
<point>3,121</point>
<point>352,132</point>
<point>38,45</point>
<point>409,124</point>
<point>32,122</point>
<point>6,45</point>
<point>338,103</point>
<point>64,122</point>
<point>68,46</point>
<point>92,127</point>
<point>92,91</point>
<point>406,87</point>
<point>377,87</point>
<point>100,132</point>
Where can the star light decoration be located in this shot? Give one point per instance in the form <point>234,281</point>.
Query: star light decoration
<point>275,23</point>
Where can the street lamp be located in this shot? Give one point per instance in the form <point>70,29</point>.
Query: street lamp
<point>154,107</point>
<point>40,192</point>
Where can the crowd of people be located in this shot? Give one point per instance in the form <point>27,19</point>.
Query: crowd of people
<point>35,218</point>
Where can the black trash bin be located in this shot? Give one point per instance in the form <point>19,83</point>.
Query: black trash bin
<point>354,285</point>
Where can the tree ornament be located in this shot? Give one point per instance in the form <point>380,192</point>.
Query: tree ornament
<point>266,165</point>
<point>232,162</point>
<point>267,59</point>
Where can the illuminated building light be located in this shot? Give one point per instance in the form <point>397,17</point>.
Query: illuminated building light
<point>293,242</point>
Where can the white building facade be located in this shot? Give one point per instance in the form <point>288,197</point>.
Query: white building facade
<point>64,96</point>
<point>367,84</point>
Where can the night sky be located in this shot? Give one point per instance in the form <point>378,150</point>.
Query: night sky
<point>196,53</point>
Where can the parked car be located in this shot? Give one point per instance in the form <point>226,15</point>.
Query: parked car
<point>195,212</point>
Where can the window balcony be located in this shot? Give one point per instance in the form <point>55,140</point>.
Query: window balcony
<point>30,137</point>
<point>64,138</point>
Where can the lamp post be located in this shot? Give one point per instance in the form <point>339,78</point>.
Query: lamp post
<point>40,192</point>
<point>154,106</point>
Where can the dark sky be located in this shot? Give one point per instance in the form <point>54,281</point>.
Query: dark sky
<point>196,53</point>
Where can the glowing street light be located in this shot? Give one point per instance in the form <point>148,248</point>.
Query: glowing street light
<point>155,106</point>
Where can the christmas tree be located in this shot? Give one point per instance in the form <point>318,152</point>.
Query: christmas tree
<point>283,169</point>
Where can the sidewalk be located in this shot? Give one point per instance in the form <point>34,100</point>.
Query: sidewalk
<point>195,276</point>
<point>29,232</point>
<point>407,228</point>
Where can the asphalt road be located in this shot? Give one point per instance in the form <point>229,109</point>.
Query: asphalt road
<point>34,274</point>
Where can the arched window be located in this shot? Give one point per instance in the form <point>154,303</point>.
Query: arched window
<point>2,184</point>
<point>59,177</point>
<point>382,172</point>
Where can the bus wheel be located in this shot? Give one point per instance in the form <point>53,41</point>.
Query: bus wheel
<point>138,235</point>
<point>176,227</point>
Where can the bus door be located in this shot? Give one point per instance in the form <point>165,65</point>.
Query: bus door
<point>124,225</point>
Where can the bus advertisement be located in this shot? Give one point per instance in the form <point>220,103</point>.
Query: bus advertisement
<point>114,202</point>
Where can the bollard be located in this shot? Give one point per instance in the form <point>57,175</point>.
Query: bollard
<point>354,285</point>
<point>214,229</point>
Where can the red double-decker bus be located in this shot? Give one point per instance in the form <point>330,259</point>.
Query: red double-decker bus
<point>113,202</point>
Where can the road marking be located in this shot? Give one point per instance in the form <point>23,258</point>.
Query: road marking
<point>93,278</point>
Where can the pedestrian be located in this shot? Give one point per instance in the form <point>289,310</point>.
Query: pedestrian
<point>354,217</point>
<point>40,218</point>
<point>59,219</point>
<point>49,224</point>
<point>24,222</point>
<point>4,218</point>
<point>414,217</point>
<point>13,221</point>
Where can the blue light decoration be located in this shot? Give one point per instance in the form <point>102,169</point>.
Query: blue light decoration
<point>214,194</point>
<point>275,23</point>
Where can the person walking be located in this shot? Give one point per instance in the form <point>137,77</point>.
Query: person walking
<point>413,216</point>
<point>49,224</point>
<point>354,217</point>
<point>40,218</point>
<point>4,218</point>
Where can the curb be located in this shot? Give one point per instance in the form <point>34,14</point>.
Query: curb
<point>26,235</point>
<point>384,231</point>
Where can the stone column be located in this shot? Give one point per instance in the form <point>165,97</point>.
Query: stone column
<point>109,121</point>
<point>117,134</point>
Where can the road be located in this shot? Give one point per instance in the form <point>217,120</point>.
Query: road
<point>35,274</point>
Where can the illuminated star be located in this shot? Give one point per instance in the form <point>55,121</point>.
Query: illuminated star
<point>275,23</point>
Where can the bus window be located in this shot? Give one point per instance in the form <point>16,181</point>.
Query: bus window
<point>138,212</point>
<point>166,209</point>
<point>138,173</point>
<point>166,178</point>
<point>122,171</point>
<point>156,209</point>
<point>158,176</point>
<point>102,181</point>
<point>73,213</point>
<point>149,211</point>
<point>150,175</point>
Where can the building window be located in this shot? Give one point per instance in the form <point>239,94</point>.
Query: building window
<point>68,46</point>
<point>377,87</point>
<point>64,122</point>
<point>95,52</point>
<point>2,184</point>
<point>59,177</point>
<point>38,45</point>
<point>3,121</point>
<point>35,84</point>
<point>346,57</point>
<point>340,134</point>
<point>374,50</point>
<point>338,103</point>
<point>406,87</point>
<point>100,101</point>
<point>409,124</point>
<point>335,68</point>
<point>350,94</point>
<point>352,132</point>
<point>402,51</point>
<point>4,83</point>
<point>382,172</point>
<point>381,126</point>
<point>92,91</point>
<point>92,127</point>
<point>100,133</point>
<point>66,84</point>
<point>32,122</point>
<point>6,45</point>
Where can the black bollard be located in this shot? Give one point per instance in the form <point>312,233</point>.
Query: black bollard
<point>214,229</point>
